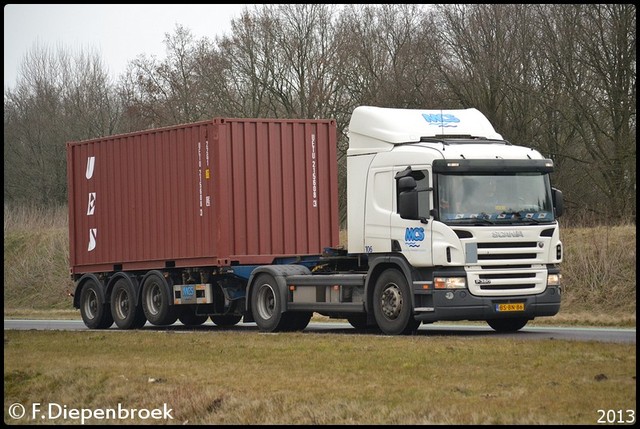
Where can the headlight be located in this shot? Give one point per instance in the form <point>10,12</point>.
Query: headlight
<point>450,283</point>
<point>553,279</point>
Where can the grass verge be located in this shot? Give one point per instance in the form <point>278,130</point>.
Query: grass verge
<point>312,378</point>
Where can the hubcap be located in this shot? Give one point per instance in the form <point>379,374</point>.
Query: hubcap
<point>266,301</point>
<point>391,301</point>
<point>122,304</point>
<point>91,305</point>
<point>154,299</point>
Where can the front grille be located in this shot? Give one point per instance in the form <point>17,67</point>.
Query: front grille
<point>508,276</point>
<point>494,257</point>
<point>507,245</point>
<point>508,287</point>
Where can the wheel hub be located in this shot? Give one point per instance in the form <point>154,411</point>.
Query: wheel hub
<point>391,301</point>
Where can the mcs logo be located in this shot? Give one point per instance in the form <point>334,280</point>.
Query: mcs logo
<point>446,120</point>
<point>412,236</point>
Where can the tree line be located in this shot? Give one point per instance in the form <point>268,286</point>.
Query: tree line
<point>558,78</point>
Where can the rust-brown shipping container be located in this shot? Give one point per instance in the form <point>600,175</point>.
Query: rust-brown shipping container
<point>212,193</point>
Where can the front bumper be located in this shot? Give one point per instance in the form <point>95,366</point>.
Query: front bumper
<point>461,305</point>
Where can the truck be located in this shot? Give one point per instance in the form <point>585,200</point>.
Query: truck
<point>236,219</point>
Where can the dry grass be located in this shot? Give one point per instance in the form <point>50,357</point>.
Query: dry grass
<point>311,378</point>
<point>36,258</point>
<point>599,269</point>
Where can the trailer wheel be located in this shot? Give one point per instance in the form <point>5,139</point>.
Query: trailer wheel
<point>226,320</point>
<point>266,305</point>
<point>95,312</point>
<point>155,301</point>
<point>189,317</point>
<point>508,325</point>
<point>123,309</point>
<point>392,304</point>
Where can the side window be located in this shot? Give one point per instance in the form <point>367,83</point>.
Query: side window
<point>422,179</point>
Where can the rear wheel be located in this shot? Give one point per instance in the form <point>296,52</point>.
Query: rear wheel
<point>508,325</point>
<point>94,310</point>
<point>123,309</point>
<point>156,301</point>
<point>266,304</point>
<point>298,320</point>
<point>392,304</point>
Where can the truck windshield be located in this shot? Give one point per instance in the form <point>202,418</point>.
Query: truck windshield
<point>505,198</point>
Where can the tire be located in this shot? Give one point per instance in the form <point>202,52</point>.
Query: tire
<point>359,321</point>
<point>156,301</point>
<point>124,312</point>
<point>94,310</point>
<point>226,320</point>
<point>188,317</point>
<point>297,320</point>
<point>392,304</point>
<point>266,305</point>
<point>508,325</point>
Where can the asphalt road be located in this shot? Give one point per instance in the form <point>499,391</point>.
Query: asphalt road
<point>614,335</point>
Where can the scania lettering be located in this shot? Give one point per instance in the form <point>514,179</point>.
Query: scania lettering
<point>237,219</point>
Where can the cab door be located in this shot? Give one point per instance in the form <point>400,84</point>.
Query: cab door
<point>412,236</point>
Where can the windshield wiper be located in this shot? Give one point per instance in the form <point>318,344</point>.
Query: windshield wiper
<point>520,217</point>
<point>482,221</point>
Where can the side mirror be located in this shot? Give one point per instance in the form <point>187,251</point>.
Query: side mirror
<point>407,183</point>
<point>558,201</point>
<point>408,198</point>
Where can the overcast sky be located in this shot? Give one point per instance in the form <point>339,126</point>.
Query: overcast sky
<point>117,32</point>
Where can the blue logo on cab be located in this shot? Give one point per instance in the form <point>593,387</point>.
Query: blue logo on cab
<point>413,236</point>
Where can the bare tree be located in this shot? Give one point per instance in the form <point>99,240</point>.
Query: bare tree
<point>248,54</point>
<point>159,93</point>
<point>388,53</point>
<point>560,78</point>
<point>591,52</point>
<point>484,55</point>
<point>283,61</point>
<point>58,98</point>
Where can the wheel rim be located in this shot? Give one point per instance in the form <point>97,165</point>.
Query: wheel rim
<point>266,301</point>
<point>91,305</point>
<point>154,299</point>
<point>122,304</point>
<point>391,301</point>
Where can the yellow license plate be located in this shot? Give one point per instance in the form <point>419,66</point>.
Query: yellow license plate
<point>510,307</point>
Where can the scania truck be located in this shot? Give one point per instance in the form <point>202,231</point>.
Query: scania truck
<point>237,219</point>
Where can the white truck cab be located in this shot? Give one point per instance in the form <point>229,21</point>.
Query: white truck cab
<point>473,217</point>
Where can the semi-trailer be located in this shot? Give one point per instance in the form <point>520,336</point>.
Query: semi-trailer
<point>235,219</point>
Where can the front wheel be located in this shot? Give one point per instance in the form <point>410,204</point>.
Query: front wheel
<point>508,325</point>
<point>359,321</point>
<point>392,304</point>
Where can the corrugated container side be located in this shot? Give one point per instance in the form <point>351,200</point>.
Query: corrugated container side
<point>211,193</point>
